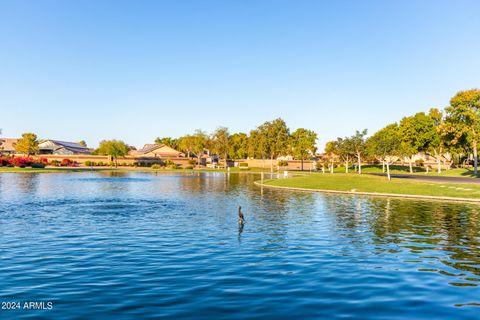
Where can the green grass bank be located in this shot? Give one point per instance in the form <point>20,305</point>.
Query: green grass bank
<point>377,185</point>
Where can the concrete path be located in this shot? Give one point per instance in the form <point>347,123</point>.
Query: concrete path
<point>438,179</point>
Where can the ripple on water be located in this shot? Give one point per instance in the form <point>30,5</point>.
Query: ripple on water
<point>140,245</point>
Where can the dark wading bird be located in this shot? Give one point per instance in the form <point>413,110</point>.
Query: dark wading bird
<point>241,218</point>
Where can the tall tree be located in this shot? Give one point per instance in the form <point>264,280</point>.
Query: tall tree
<point>463,120</point>
<point>417,134</point>
<point>200,142</point>
<point>28,144</point>
<point>113,148</point>
<point>345,150</point>
<point>275,135</point>
<point>331,153</point>
<point>221,142</point>
<point>385,144</point>
<point>238,148</point>
<point>357,142</point>
<point>303,144</point>
<point>82,143</point>
<point>187,144</point>
<point>439,144</point>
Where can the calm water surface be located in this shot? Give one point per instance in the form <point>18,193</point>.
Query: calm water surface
<point>139,245</point>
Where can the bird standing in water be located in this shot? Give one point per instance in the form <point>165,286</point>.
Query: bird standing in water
<point>241,218</point>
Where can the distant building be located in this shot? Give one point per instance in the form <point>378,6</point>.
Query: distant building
<point>157,151</point>
<point>7,145</point>
<point>62,147</point>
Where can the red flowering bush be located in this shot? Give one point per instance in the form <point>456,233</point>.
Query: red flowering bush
<point>22,162</point>
<point>5,161</point>
<point>67,163</point>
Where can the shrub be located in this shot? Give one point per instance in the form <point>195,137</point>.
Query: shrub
<point>22,162</point>
<point>282,163</point>
<point>55,163</point>
<point>189,167</point>
<point>169,163</point>
<point>419,163</point>
<point>89,163</point>
<point>38,165</point>
<point>4,162</point>
<point>155,166</point>
<point>67,163</point>
<point>191,162</point>
<point>243,165</point>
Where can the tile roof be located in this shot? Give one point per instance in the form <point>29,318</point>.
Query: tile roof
<point>7,144</point>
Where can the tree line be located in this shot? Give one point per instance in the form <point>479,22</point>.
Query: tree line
<point>454,131</point>
<point>267,141</point>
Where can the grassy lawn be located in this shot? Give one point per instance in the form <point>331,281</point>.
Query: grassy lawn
<point>377,184</point>
<point>458,172</point>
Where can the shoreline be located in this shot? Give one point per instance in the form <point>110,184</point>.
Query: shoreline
<point>374,194</point>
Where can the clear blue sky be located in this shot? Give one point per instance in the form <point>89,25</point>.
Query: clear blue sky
<point>135,70</point>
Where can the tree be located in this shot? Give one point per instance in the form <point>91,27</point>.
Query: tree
<point>439,144</point>
<point>168,141</point>
<point>238,148</point>
<point>303,143</point>
<point>82,143</point>
<point>200,142</point>
<point>113,148</point>
<point>417,134</point>
<point>462,121</point>
<point>275,136</point>
<point>357,142</point>
<point>386,145</point>
<point>345,150</point>
<point>221,142</point>
<point>187,144</point>
<point>28,144</point>
<point>256,145</point>
<point>331,152</point>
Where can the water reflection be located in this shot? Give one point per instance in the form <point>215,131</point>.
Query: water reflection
<point>174,239</point>
<point>448,233</point>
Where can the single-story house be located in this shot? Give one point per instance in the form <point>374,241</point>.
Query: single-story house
<point>7,145</point>
<point>157,151</point>
<point>62,147</point>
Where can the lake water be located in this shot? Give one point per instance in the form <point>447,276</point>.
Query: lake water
<point>140,245</point>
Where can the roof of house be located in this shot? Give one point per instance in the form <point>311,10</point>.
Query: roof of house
<point>73,146</point>
<point>152,147</point>
<point>8,144</point>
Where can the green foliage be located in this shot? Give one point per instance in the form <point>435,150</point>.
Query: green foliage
<point>28,144</point>
<point>155,166</point>
<point>385,144</point>
<point>282,163</point>
<point>113,148</point>
<point>275,137</point>
<point>221,142</point>
<point>168,141</point>
<point>418,134</point>
<point>462,122</point>
<point>238,148</point>
<point>303,143</point>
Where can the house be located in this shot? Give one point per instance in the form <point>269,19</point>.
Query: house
<point>7,145</point>
<point>157,151</point>
<point>62,147</point>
